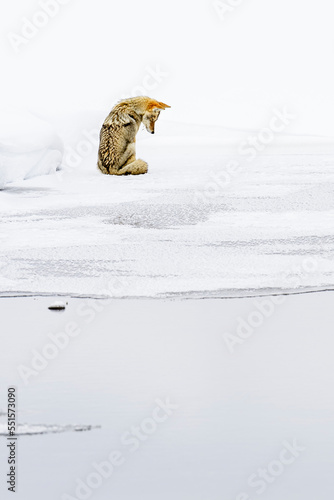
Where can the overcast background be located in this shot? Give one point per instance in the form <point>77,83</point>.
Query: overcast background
<point>227,70</point>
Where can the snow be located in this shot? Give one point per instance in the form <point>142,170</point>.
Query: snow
<point>29,147</point>
<point>191,227</point>
<point>57,306</point>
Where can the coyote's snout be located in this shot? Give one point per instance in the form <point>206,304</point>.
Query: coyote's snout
<point>117,151</point>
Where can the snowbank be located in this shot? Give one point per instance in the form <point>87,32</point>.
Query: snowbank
<point>30,430</point>
<point>28,147</point>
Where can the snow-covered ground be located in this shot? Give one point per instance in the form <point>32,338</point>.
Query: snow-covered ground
<point>207,220</point>
<point>29,147</point>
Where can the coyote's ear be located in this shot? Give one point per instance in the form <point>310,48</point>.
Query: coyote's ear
<point>163,106</point>
<point>157,105</point>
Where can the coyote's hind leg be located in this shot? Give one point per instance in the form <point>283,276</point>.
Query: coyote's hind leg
<point>136,167</point>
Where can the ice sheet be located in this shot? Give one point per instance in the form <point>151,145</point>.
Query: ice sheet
<point>191,227</point>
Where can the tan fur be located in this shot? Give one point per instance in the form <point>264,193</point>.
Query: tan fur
<point>117,151</point>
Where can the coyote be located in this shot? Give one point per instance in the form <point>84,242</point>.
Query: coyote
<point>117,151</point>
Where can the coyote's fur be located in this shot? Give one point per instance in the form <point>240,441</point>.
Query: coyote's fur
<point>117,151</point>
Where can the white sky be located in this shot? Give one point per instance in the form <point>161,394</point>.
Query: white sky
<point>264,54</point>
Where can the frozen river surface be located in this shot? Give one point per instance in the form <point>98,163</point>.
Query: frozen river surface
<point>196,226</point>
<point>234,412</point>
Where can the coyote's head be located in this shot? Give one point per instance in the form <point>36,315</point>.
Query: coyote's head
<point>152,113</point>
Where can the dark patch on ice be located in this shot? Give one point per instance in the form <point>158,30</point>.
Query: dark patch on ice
<point>158,216</point>
<point>37,429</point>
<point>57,307</point>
